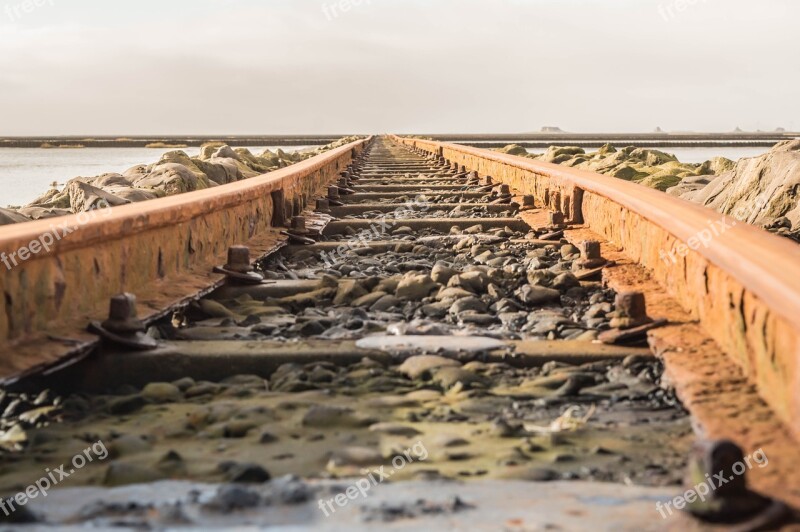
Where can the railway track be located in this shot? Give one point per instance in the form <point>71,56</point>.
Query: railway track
<point>483,317</point>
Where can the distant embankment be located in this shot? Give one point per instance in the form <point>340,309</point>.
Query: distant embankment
<point>143,142</point>
<point>664,140</point>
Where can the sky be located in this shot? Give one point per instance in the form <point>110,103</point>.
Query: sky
<point>173,67</point>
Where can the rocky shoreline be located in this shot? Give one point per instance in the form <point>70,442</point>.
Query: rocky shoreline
<point>174,173</point>
<point>761,191</point>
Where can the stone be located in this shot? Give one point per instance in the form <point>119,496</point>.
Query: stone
<point>184,383</point>
<point>536,295</point>
<point>758,190</point>
<point>448,377</point>
<point>214,309</point>
<point>246,473</point>
<point>467,304</point>
<point>348,291</point>
<point>368,300</point>
<point>442,273</point>
<point>564,281</point>
<point>568,251</point>
<point>128,444</point>
<point>121,406</point>
<point>386,303</point>
<point>84,197</point>
<point>415,287</point>
<point>452,294</point>
<point>162,392</point>
<point>203,388</point>
<point>238,428</point>
<point>421,365</point>
<point>230,497</point>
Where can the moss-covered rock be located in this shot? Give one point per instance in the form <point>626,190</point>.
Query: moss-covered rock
<point>513,149</point>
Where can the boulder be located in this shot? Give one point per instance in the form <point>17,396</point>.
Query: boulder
<point>84,197</point>
<point>513,149</point>
<point>758,190</point>
<point>171,178</point>
<point>7,217</point>
<point>41,213</point>
<point>109,180</point>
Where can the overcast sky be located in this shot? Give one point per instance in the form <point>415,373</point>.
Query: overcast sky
<point>307,66</point>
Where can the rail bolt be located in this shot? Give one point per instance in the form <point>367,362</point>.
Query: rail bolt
<point>631,311</point>
<point>123,327</point>
<point>556,219</point>
<point>299,224</point>
<point>238,269</point>
<point>122,315</point>
<point>528,202</point>
<point>505,190</point>
<point>590,255</point>
<point>323,205</point>
<point>729,500</point>
<point>239,259</point>
<point>333,192</point>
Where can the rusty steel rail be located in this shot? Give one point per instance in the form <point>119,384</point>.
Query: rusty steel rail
<point>743,286</point>
<point>162,250</point>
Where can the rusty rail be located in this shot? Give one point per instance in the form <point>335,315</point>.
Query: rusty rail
<point>161,250</point>
<point>743,286</point>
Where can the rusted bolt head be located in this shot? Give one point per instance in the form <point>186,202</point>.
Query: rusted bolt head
<point>527,201</point>
<point>455,167</point>
<point>298,223</point>
<point>323,205</point>
<point>488,180</point>
<point>122,315</point>
<point>556,218</point>
<point>333,192</point>
<point>712,458</point>
<point>590,249</point>
<point>122,307</point>
<point>343,182</point>
<point>631,305</point>
<point>505,190</point>
<point>239,259</point>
